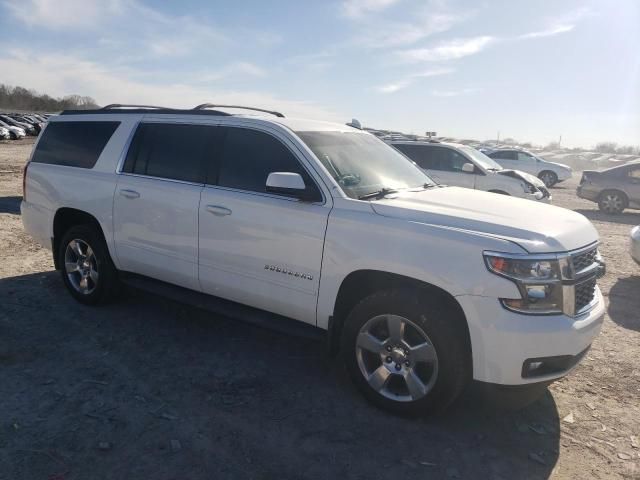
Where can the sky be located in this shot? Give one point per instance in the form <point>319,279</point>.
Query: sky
<point>533,70</point>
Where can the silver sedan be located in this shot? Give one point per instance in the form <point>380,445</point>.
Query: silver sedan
<point>635,244</point>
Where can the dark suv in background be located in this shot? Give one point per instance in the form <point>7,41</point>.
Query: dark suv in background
<point>613,189</point>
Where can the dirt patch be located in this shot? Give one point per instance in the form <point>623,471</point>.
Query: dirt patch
<point>150,389</point>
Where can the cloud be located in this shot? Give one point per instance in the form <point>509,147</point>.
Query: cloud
<point>235,69</point>
<point>359,8</point>
<point>61,14</point>
<point>560,24</point>
<point>314,62</point>
<point>385,34</point>
<point>411,79</point>
<point>62,74</point>
<point>550,32</point>
<point>454,93</point>
<point>449,50</point>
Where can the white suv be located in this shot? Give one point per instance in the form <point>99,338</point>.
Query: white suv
<point>421,287</point>
<point>549,172</point>
<point>462,166</point>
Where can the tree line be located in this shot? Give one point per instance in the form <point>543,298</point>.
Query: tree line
<point>20,98</point>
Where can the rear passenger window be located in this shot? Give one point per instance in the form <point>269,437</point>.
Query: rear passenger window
<point>422,155</point>
<point>249,156</point>
<point>73,144</point>
<point>173,151</point>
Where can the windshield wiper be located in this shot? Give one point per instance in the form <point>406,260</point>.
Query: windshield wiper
<point>377,194</point>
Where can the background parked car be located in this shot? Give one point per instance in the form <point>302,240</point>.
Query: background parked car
<point>4,133</point>
<point>463,166</point>
<point>549,172</point>
<point>14,132</point>
<point>614,189</point>
<point>29,129</point>
<point>635,244</point>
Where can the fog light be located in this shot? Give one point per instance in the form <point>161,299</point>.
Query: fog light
<point>534,366</point>
<point>536,292</point>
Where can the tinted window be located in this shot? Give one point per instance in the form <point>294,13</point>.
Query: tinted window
<point>449,160</point>
<point>420,154</point>
<point>503,155</point>
<point>249,156</point>
<point>524,157</point>
<point>74,144</point>
<point>174,151</point>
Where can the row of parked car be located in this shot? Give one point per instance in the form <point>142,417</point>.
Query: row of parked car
<point>519,173</point>
<point>14,126</point>
<point>506,171</point>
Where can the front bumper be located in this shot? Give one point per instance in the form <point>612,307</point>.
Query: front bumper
<point>503,341</point>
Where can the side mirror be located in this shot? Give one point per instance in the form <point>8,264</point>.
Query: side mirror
<point>468,168</point>
<point>287,183</point>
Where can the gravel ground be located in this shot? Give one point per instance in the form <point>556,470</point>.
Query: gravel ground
<point>146,388</point>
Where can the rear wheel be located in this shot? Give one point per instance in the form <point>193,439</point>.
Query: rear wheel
<point>86,266</point>
<point>405,354</point>
<point>612,202</point>
<point>549,178</point>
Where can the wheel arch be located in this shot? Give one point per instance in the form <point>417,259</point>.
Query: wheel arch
<point>360,283</point>
<point>63,220</point>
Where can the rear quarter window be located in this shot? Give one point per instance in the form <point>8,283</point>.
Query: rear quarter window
<point>73,144</point>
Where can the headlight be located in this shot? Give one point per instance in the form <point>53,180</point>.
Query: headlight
<point>539,281</point>
<point>528,187</point>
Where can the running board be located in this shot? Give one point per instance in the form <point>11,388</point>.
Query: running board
<point>222,307</point>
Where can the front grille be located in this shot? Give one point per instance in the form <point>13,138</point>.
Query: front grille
<point>585,292</point>
<point>584,259</point>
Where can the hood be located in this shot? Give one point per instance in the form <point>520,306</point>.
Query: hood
<point>18,130</point>
<point>527,177</point>
<point>536,227</point>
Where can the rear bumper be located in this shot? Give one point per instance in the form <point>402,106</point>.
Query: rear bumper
<point>36,220</point>
<point>583,191</point>
<point>502,342</point>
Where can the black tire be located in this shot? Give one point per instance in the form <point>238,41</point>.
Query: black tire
<point>437,320</point>
<point>612,202</point>
<point>107,285</point>
<point>548,177</point>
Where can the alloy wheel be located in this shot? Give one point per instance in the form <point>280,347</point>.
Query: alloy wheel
<point>396,358</point>
<point>612,203</point>
<point>81,266</point>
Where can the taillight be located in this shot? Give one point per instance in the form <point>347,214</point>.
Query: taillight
<point>24,182</point>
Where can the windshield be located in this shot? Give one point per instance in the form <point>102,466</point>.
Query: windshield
<point>485,162</point>
<point>363,164</point>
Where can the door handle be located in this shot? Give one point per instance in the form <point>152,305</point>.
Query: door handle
<point>129,193</point>
<point>218,210</point>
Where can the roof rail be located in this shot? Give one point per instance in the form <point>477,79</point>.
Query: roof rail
<point>112,106</point>
<point>211,105</point>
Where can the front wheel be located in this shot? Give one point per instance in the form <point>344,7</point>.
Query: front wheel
<point>406,354</point>
<point>86,266</point>
<point>548,178</point>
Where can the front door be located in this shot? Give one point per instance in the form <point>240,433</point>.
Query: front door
<point>258,248</point>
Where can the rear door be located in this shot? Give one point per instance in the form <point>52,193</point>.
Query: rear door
<point>507,159</point>
<point>258,248</point>
<point>155,208</point>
